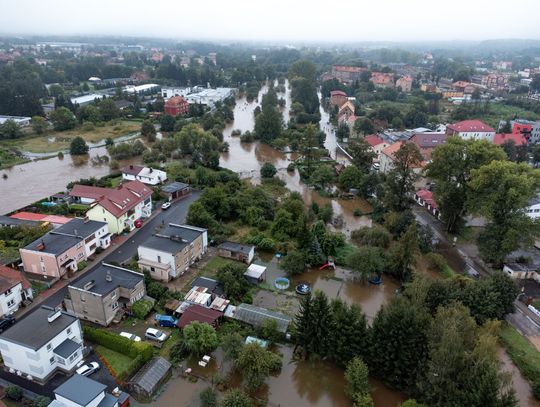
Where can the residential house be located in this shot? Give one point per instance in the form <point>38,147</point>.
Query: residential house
<point>176,106</point>
<point>382,79</point>
<point>377,145</point>
<point>427,142</point>
<point>81,391</point>
<point>119,207</point>
<point>338,98</point>
<point>347,74</point>
<point>349,120</point>
<point>523,271</point>
<point>428,87</point>
<point>58,252</point>
<point>471,129</point>
<point>237,251</point>
<point>146,175</point>
<point>496,81</point>
<point>45,341</point>
<point>175,190</point>
<point>15,289</point>
<point>346,110</point>
<point>387,158</point>
<point>200,314</point>
<point>169,253</point>
<point>425,198</point>
<point>533,208</point>
<point>530,129</point>
<point>104,292</point>
<point>405,83</point>
<point>517,138</point>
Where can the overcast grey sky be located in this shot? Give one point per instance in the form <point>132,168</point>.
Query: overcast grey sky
<point>279,20</point>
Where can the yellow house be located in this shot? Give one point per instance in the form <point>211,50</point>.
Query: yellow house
<point>119,207</point>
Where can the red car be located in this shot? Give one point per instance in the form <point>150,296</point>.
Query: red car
<point>138,223</point>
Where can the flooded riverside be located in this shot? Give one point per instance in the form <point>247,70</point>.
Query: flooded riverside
<point>521,385</point>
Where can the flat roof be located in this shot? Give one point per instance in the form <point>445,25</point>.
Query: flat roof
<point>34,330</point>
<point>96,279</point>
<point>66,348</point>
<point>255,271</point>
<point>173,187</point>
<point>80,389</point>
<point>87,98</point>
<point>256,316</point>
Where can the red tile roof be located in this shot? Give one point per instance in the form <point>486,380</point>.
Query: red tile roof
<point>392,149</point>
<point>132,169</point>
<point>28,216</point>
<point>470,126</point>
<point>59,220</point>
<point>427,197</point>
<point>342,68</point>
<point>519,139</point>
<point>10,278</point>
<point>337,93</point>
<point>373,140</point>
<point>198,313</point>
<point>117,201</point>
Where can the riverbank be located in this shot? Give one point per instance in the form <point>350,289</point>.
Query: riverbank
<point>54,141</point>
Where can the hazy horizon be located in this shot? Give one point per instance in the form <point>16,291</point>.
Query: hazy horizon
<point>352,21</point>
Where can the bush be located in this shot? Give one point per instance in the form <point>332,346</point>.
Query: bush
<point>536,388</point>
<point>14,393</point>
<point>268,170</point>
<point>357,212</point>
<point>179,352</point>
<point>41,401</point>
<point>294,263</point>
<point>436,262</point>
<point>118,343</point>
<point>235,398</point>
<point>141,308</point>
<point>208,397</point>
<point>82,265</point>
<point>375,236</point>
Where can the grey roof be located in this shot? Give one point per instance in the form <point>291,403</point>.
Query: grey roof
<point>151,374</point>
<point>256,316</point>
<point>173,238</point>
<point>120,277</point>
<point>80,389</point>
<point>80,227</point>
<point>212,285</point>
<point>534,200</point>
<point>173,187</point>
<point>108,401</point>
<point>54,243</point>
<point>7,221</point>
<point>236,247</point>
<point>66,348</point>
<point>34,330</point>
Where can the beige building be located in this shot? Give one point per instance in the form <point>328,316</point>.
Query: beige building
<point>169,253</point>
<point>103,293</point>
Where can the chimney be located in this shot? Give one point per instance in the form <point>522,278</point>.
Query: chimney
<point>108,277</point>
<point>54,315</point>
<point>86,219</point>
<point>41,246</point>
<point>130,166</point>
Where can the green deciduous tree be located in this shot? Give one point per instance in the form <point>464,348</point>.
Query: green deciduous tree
<point>268,170</point>
<point>357,376</point>
<point>235,398</point>
<point>63,119</point>
<point>148,130</point>
<point>78,146</point>
<point>500,191</point>
<point>400,180</point>
<point>293,263</point>
<point>364,126</point>
<point>367,261</point>
<point>362,154</point>
<point>39,124</point>
<point>256,364</point>
<point>231,278</point>
<point>451,168</point>
<point>402,255</point>
<point>200,338</point>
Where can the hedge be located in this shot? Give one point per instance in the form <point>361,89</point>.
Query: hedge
<point>141,308</point>
<point>119,344</point>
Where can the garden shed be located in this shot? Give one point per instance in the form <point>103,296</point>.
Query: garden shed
<point>151,376</point>
<point>256,316</point>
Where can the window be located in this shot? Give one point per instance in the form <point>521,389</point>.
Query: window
<point>113,296</point>
<point>11,303</point>
<point>68,331</point>
<point>115,305</point>
<point>51,360</point>
<point>49,346</point>
<point>152,269</point>
<point>82,298</point>
<point>8,292</point>
<point>159,259</point>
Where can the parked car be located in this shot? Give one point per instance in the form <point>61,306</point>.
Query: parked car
<point>155,334</point>
<point>88,369</point>
<point>6,322</point>
<point>138,223</point>
<point>131,337</point>
<point>165,320</point>
<point>166,206</point>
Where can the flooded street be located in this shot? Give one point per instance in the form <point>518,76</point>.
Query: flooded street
<point>521,385</point>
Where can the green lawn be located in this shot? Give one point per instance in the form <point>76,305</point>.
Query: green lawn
<point>211,268</point>
<point>120,363</point>
<point>54,141</point>
<point>521,351</point>
<point>166,349</point>
<point>536,304</point>
<point>10,158</point>
<point>38,287</point>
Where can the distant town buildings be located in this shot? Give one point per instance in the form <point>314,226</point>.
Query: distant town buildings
<point>176,106</point>
<point>405,83</point>
<point>347,74</point>
<point>19,120</point>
